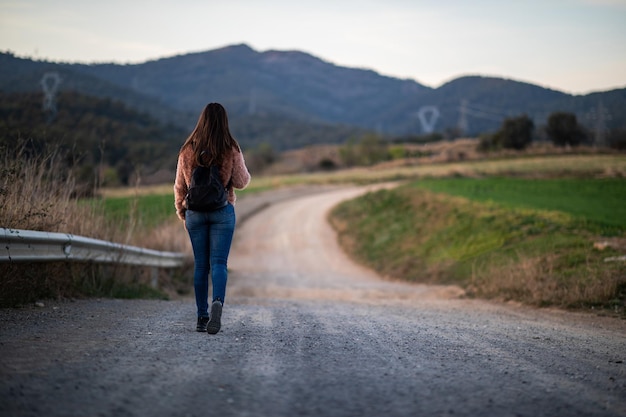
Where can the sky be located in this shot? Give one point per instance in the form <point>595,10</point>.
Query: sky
<point>574,46</point>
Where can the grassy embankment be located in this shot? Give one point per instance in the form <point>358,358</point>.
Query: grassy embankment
<point>527,240</point>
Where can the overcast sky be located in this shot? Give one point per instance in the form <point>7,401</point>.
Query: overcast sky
<point>575,46</point>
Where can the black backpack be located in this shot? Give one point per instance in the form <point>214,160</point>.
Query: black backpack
<point>206,191</point>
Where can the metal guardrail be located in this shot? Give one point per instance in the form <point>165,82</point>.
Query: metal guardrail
<point>34,246</point>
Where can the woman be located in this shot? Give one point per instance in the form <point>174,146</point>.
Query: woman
<point>211,232</point>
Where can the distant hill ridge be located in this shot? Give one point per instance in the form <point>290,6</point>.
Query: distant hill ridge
<point>296,87</point>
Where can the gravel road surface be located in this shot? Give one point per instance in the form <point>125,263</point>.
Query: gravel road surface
<point>306,332</point>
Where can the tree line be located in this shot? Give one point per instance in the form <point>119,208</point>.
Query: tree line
<point>562,129</point>
<point>111,144</point>
<point>517,133</point>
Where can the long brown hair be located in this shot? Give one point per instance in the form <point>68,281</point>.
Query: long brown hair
<point>211,138</point>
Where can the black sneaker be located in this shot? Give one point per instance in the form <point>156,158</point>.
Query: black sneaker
<point>202,322</point>
<point>216,317</point>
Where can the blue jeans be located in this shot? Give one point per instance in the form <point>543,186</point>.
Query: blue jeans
<point>211,235</point>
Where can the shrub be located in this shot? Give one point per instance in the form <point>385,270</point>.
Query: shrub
<point>327,164</point>
<point>370,150</point>
<point>397,152</point>
<point>515,133</point>
<point>564,130</point>
<point>617,139</point>
<point>488,143</point>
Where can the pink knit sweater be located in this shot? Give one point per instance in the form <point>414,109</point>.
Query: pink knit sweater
<point>233,170</point>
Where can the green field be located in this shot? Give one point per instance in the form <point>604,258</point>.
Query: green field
<point>149,210</point>
<point>601,201</point>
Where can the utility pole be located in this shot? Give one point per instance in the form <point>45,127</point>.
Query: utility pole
<point>599,116</point>
<point>463,125</point>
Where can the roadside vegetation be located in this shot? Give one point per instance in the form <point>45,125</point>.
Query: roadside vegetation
<point>533,226</point>
<point>39,192</point>
<point>539,242</point>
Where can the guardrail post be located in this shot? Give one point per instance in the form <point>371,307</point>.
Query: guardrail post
<point>155,277</point>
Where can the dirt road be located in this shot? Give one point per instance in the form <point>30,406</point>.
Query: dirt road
<point>308,333</point>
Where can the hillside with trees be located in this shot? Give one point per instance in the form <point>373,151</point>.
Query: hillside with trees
<point>291,87</point>
<point>98,135</point>
<point>128,121</point>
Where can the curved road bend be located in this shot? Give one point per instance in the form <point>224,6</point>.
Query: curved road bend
<point>306,332</point>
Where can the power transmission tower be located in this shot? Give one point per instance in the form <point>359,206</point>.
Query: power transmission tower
<point>428,116</point>
<point>50,84</point>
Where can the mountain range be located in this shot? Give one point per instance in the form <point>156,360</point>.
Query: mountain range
<point>277,95</point>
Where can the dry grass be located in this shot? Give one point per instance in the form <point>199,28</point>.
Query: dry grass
<point>534,280</point>
<point>169,236</point>
<point>39,193</point>
<point>566,165</point>
<point>435,154</point>
<point>137,191</point>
